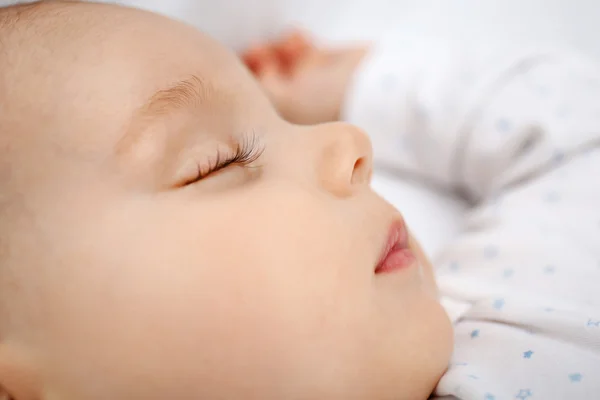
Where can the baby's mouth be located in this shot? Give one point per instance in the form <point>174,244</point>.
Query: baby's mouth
<point>396,254</point>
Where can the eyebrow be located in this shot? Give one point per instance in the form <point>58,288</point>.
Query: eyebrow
<point>189,93</point>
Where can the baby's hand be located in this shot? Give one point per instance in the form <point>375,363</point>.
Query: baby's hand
<point>307,85</point>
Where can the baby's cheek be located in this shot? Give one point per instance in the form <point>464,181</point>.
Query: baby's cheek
<point>425,265</point>
<point>300,253</point>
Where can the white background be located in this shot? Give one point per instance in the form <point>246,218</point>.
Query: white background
<point>239,22</point>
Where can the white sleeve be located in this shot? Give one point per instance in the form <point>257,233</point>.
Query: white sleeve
<point>519,134</point>
<point>431,108</point>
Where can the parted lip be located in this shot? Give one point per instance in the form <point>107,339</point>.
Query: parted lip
<point>396,240</point>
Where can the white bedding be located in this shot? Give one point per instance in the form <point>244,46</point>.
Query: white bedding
<point>522,275</point>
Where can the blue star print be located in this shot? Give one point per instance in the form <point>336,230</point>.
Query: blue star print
<point>551,197</point>
<point>489,396</point>
<point>549,269</point>
<point>508,273</point>
<point>473,377</point>
<point>593,324</point>
<point>542,90</point>
<point>558,156</point>
<point>528,354</point>
<point>575,377</point>
<point>503,125</point>
<point>498,304</point>
<point>475,334</point>
<point>523,394</point>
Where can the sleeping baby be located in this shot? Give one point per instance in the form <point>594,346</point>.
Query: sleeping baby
<point>165,233</point>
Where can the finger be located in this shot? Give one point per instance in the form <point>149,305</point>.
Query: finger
<point>271,77</point>
<point>251,58</point>
<point>258,57</point>
<point>295,43</point>
<point>276,85</point>
<point>292,50</point>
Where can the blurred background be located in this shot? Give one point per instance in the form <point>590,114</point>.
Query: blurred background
<point>572,23</point>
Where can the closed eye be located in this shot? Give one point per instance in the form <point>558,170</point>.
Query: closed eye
<point>246,152</point>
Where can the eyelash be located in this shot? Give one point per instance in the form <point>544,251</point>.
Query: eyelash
<point>246,151</point>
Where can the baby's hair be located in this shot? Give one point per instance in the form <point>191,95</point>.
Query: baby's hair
<point>13,23</point>
<point>13,14</point>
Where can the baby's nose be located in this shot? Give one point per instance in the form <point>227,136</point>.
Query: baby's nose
<point>344,159</point>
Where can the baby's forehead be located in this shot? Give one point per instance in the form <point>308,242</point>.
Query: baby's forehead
<point>80,84</point>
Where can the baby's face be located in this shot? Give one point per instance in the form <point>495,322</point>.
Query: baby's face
<point>129,277</point>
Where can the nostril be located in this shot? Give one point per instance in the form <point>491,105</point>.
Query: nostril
<point>358,171</point>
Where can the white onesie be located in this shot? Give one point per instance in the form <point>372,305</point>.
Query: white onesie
<point>517,133</point>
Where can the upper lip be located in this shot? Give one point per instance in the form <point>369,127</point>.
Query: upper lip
<point>397,238</point>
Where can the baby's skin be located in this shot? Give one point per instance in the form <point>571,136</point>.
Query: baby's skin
<point>165,234</point>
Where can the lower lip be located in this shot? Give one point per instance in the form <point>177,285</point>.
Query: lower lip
<point>397,259</point>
